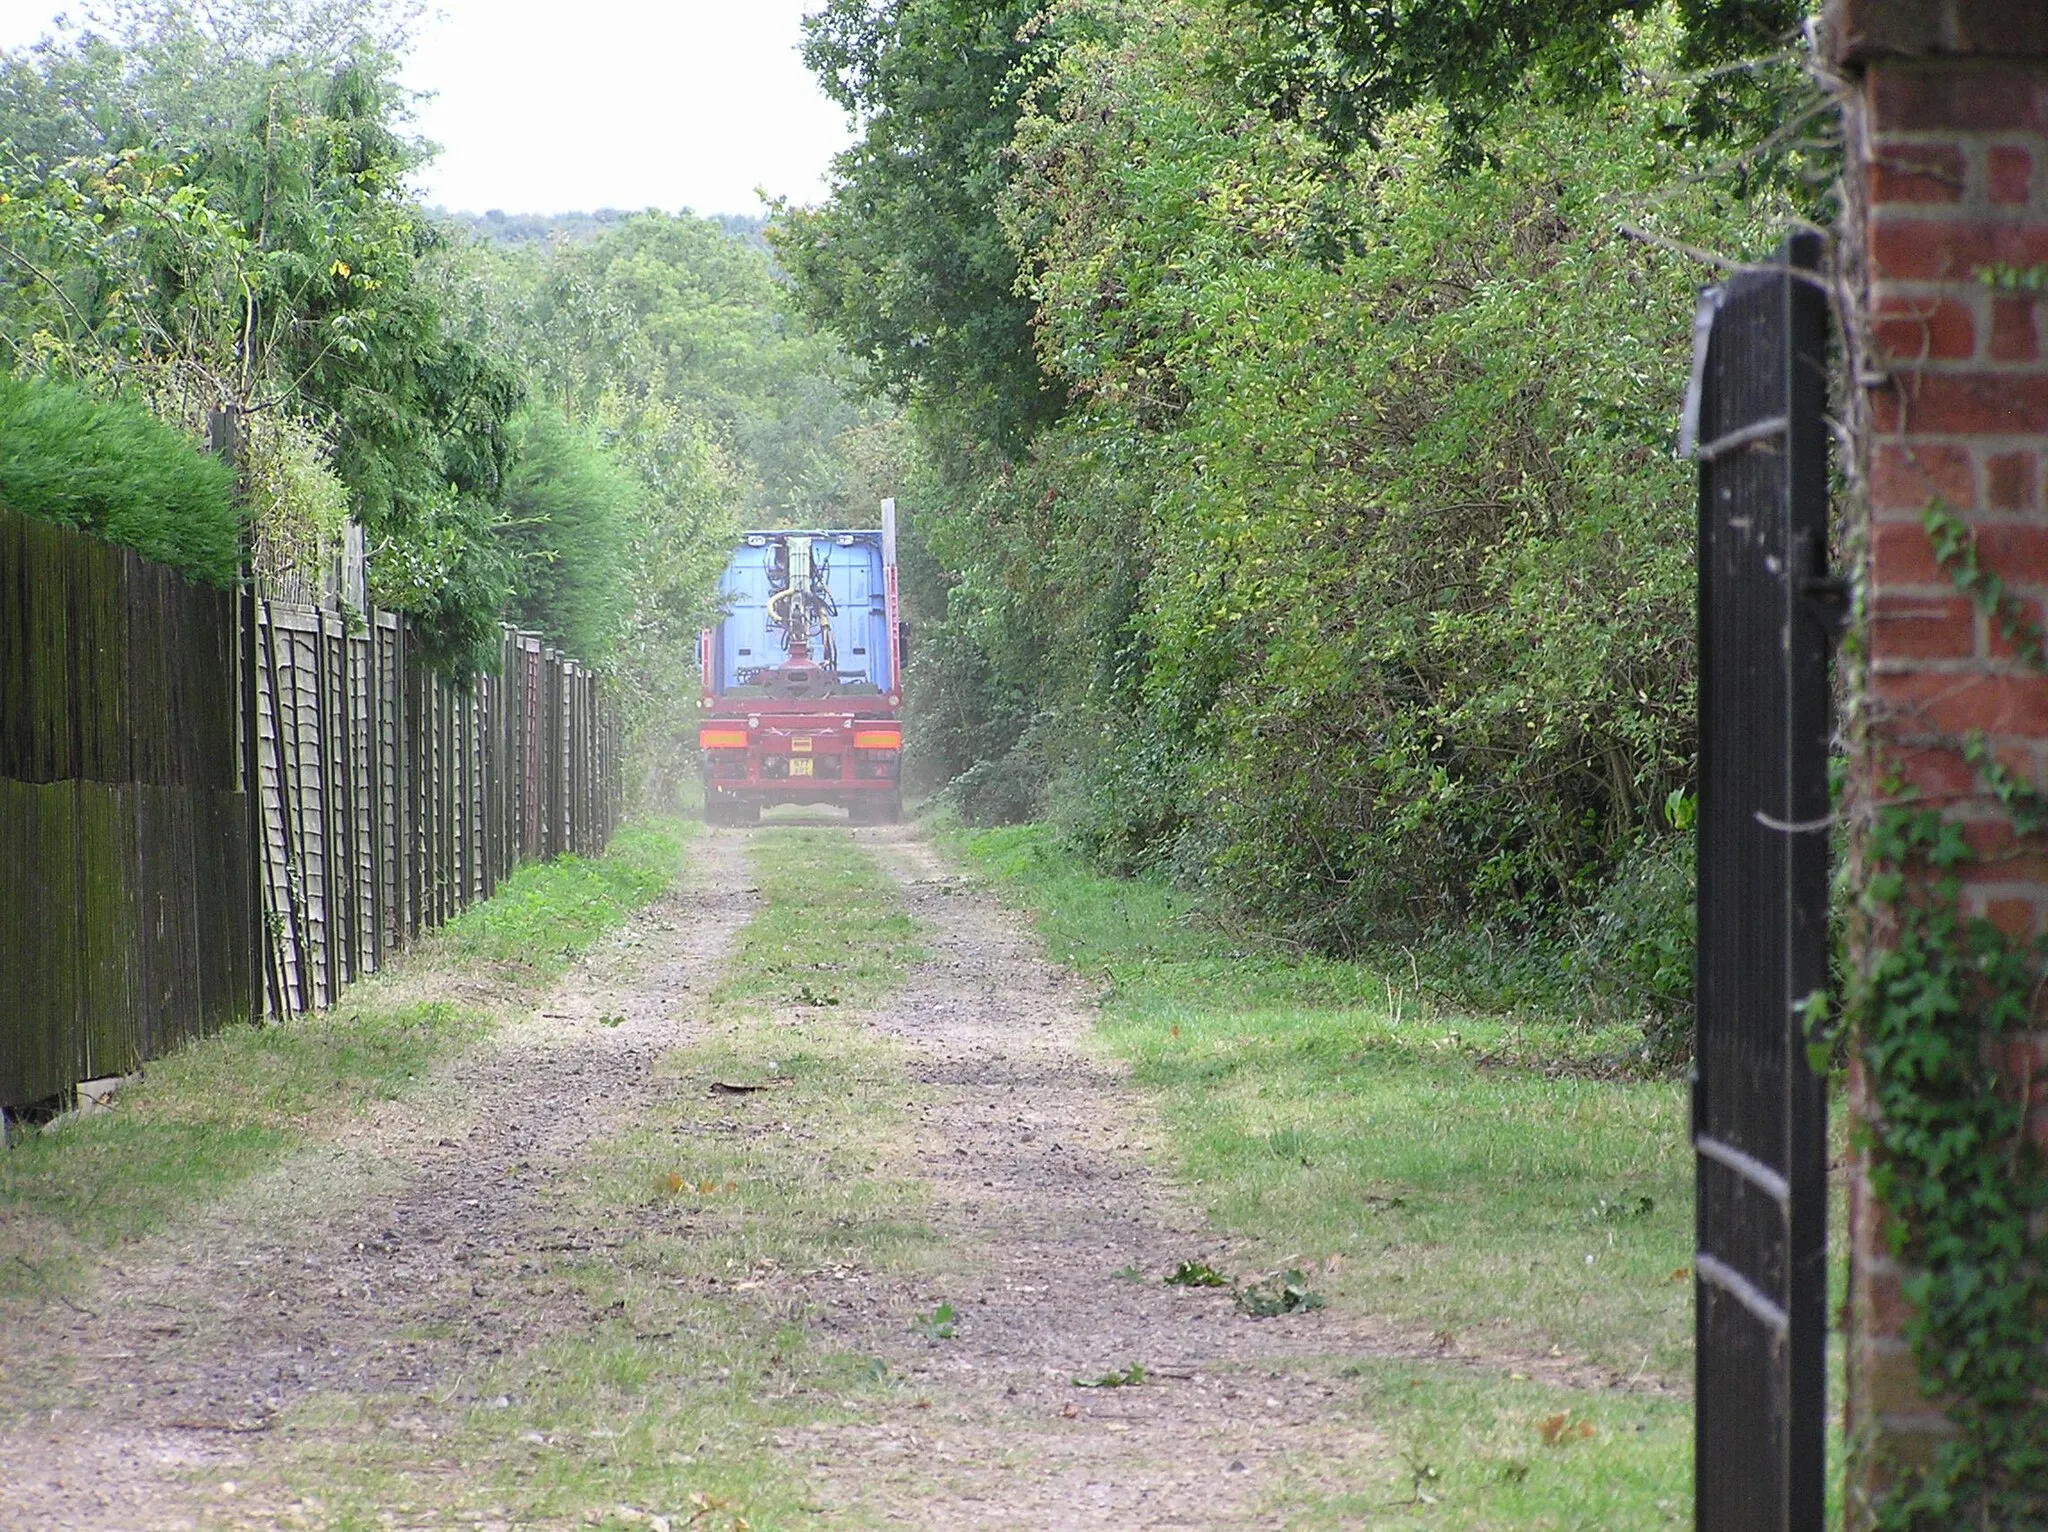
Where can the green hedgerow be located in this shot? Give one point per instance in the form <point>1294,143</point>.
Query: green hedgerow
<point>108,467</point>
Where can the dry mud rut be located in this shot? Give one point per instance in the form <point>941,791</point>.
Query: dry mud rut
<point>320,1279</point>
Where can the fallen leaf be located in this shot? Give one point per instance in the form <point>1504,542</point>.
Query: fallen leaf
<point>1560,1430</point>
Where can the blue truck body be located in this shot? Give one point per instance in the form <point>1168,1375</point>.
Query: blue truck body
<point>802,676</point>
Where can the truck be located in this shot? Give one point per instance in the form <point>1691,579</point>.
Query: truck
<point>802,692</point>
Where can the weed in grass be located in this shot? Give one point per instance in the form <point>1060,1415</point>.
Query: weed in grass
<point>833,931</point>
<point>937,1325</point>
<point>1128,1377</point>
<point>1468,1450</point>
<point>1128,1274</point>
<point>1281,1292</point>
<point>1196,1274</point>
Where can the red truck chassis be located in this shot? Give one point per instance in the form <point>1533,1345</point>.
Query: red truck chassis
<point>793,751</point>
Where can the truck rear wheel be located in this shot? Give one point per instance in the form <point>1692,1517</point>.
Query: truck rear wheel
<point>876,809</point>
<point>722,809</point>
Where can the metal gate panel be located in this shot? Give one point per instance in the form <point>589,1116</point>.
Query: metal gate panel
<point>1759,1110</point>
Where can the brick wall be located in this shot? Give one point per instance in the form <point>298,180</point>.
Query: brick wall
<point>1949,136</point>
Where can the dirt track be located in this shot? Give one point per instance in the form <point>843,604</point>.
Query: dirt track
<point>377,1265</point>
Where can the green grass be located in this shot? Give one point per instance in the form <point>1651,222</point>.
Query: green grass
<point>547,913</point>
<point>833,931</point>
<point>708,1214</point>
<point>1471,1450</point>
<point>229,1106</point>
<point>1459,1174</point>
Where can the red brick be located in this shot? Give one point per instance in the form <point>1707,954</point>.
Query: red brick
<point>2009,482</point>
<point>1958,95</point>
<point>2015,551</point>
<point>1918,173</point>
<point>2023,1062</point>
<point>1909,477</point>
<point>1900,554</point>
<point>1861,30</point>
<point>1989,838</point>
<point>1934,774</point>
<point>1886,1308</point>
<point>1957,704</point>
<point>1908,249</point>
<point>1922,627</point>
<point>2007,27</point>
<point>1924,329</point>
<point>2010,172</point>
<point>2012,330</point>
<point>2015,917</point>
<point>1960,404</point>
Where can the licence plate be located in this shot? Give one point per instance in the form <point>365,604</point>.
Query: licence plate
<point>800,765</point>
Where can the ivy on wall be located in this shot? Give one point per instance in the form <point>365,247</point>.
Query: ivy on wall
<point>1951,1162</point>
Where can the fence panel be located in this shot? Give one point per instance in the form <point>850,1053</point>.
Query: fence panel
<point>213,807</point>
<point>393,798</point>
<point>127,876</point>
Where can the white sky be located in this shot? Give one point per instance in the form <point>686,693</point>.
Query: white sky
<point>547,107</point>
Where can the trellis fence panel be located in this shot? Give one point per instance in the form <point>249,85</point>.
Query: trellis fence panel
<point>215,807</point>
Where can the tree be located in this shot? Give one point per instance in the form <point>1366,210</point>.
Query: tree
<point>906,262</point>
<point>1346,66</point>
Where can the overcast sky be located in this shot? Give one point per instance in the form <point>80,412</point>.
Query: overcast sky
<point>544,106</point>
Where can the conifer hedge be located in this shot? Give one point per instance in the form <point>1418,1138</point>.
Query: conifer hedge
<point>108,467</point>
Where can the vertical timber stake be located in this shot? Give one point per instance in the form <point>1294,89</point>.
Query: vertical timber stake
<point>1767,613</point>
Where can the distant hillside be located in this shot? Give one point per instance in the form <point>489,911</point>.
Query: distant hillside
<point>501,228</point>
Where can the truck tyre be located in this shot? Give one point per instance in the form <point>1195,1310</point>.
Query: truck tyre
<point>889,808</point>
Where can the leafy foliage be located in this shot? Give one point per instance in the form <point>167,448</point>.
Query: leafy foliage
<point>1353,584</point>
<point>208,206</point>
<point>1347,67</point>
<point>1955,1169</point>
<point>906,261</point>
<point>1962,1183</point>
<point>108,467</point>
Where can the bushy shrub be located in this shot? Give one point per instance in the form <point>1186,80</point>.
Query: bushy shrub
<point>1009,790</point>
<point>566,503</point>
<point>298,507</point>
<point>108,467</point>
<point>1640,937</point>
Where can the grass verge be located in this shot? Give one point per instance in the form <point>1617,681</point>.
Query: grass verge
<point>832,930</point>
<point>1468,1449</point>
<point>231,1105</point>
<point>716,1228</point>
<point>1454,1173</point>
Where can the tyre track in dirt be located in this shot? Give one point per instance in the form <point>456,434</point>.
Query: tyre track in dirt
<point>393,1259</point>
<point>1046,1203</point>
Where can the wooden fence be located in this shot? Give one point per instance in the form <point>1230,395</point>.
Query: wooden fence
<point>391,797</point>
<point>148,896</point>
